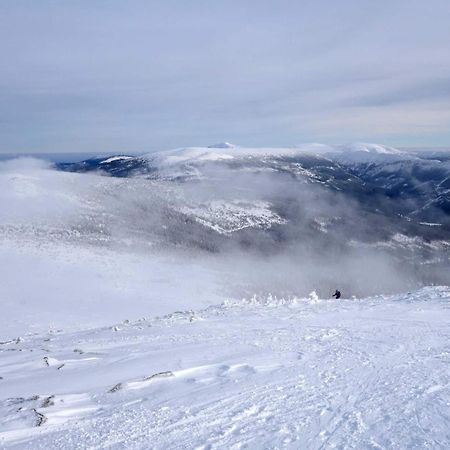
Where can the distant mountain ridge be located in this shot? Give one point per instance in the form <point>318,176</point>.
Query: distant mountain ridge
<point>368,172</point>
<point>305,203</point>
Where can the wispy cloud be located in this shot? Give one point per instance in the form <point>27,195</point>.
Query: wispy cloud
<point>146,75</point>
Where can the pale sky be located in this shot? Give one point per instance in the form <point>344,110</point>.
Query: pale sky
<point>109,75</point>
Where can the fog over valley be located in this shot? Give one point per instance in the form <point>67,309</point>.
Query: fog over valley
<point>217,223</point>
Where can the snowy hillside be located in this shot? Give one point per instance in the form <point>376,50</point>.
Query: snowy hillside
<point>418,183</point>
<point>182,299</point>
<point>362,153</point>
<point>312,193</point>
<point>256,373</point>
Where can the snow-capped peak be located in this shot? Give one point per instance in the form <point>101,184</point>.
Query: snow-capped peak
<point>348,153</point>
<point>222,145</point>
<point>359,152</point>
<point>370,148</point>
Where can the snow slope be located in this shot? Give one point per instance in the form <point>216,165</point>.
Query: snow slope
<point>363,147</point>
<point>256,373</point>
<point>123,323</point>
<point>363,153</point>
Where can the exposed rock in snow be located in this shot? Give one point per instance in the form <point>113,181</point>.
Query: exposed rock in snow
<point>115,388</point>
<point>166,374</point>
<point>40,418</point>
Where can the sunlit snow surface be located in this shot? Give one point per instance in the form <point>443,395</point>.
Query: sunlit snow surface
<point>256,373</point>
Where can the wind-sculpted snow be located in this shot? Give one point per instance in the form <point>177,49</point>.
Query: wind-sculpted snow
<point>266,372</point>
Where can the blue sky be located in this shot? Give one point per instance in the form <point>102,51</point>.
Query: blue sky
<point>111,75</point>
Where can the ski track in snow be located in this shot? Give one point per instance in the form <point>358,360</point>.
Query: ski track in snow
<point>370,373</point>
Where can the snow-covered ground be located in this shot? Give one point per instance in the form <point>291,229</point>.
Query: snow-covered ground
<point>256,373</point>
<point>228,217</point>
<point>49,286</point>
<point>115,332</point>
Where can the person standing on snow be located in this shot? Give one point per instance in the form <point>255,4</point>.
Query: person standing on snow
<point>337,294</point>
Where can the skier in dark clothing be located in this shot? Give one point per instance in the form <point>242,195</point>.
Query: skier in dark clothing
<point>337,294</point>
